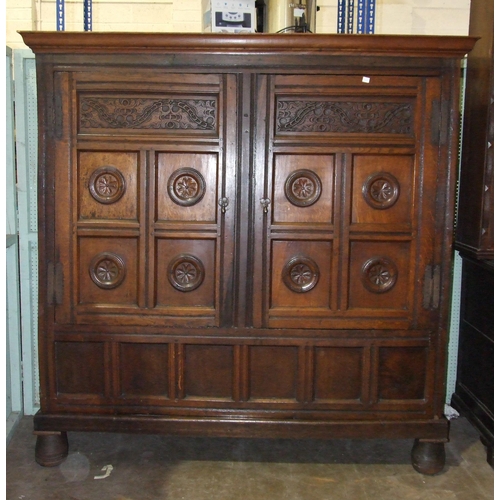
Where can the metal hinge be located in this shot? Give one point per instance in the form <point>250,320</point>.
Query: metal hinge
<point>55,284</point>
<point>432,284</point>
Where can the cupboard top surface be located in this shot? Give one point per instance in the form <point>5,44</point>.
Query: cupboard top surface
<point>257,43</point>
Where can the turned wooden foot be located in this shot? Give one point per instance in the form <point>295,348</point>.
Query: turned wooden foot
<point>51,448</point>
<point>428,457</point>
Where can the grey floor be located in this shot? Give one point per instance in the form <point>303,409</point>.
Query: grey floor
<point>160,467</point>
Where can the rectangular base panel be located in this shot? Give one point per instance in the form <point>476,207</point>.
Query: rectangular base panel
<point>434,429</point>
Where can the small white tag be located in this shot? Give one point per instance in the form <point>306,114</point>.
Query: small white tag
<point>366,79</point>
<point>107,469</point>
<point>450,413</point>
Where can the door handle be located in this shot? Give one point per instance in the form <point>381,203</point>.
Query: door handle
<point>223,203</point>
<point>265,202</point>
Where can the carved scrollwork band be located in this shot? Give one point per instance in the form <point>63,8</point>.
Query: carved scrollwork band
<point>381,190</point>
<point>147,113</point>
<point>186,187</point>
<point>186,272</point>
<point>379,274</point>
<point>107,270</point>
<point>303,188</point>
<point>107,184</point>
<point>344,116</point>
<point>300,274</point>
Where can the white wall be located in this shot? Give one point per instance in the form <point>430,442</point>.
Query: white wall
<point>406,17</point>
<point>421,17</point>
<point>107,15</point>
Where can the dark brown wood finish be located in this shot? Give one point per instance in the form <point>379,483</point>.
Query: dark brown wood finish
<point>474,237</point>
<point>246,235</point>
<point>474,392</point>
<point>475,224</point>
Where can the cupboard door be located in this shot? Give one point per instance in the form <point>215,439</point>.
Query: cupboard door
<point>144,198</point>
<point>345,227</point>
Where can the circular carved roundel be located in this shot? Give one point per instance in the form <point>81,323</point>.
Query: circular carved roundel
<point>379,274</point>
<point>185,272</point>
<point>381,190</point>
<point>303,188</point>
<point>107,185</point>
<point>300,274</point>
<point>107,270</point>
<point>186,187</point>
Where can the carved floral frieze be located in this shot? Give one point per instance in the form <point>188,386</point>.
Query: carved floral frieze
<point>148,113</point>
<point>344,116</point>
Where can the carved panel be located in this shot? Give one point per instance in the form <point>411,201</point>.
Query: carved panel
<point>381,190</point>
<point>186,272</point>
<point>303,180</point>
<point>107,270</point>
<point>300,274</point>
<point>186,187</point>
<point>191,180</point>
<point>379,274</point>
<point>186,275</point>
<point>303,188</point>
<point>107,185</point>
<point>345,117</point>
<point>148,113</point>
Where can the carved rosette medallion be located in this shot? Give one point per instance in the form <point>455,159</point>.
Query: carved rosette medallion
<point>379,274</point>
<point>381,190</point>
<point>107,185</point>
<point>303,188</point>
<point>186,187</point>
<point>185,272</point>
<point>300,274</point>
<point>107,270</point>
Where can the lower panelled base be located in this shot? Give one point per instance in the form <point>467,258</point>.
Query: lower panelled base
<point>428,455</point>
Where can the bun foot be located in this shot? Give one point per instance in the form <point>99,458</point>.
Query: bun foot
<point>428,457</point>
<point>51,448</point>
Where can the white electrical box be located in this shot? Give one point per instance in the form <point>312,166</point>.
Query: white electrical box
<point>229,16</point>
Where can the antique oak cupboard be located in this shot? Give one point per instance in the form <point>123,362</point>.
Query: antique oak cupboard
<point>245,235</point>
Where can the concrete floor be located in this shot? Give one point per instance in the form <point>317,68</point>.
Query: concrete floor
<point>160,467</point>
